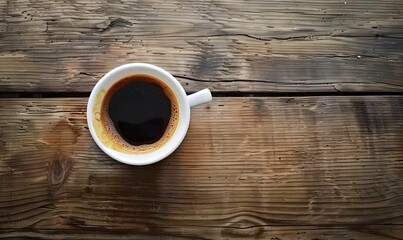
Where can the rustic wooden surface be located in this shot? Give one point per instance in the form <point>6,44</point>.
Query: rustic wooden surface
<point>228,46</point>
<point>285,151</point>
<point>261,167</point>
<point>370,232</point>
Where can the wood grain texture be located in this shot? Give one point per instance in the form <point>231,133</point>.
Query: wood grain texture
<point>371,232</point>
<point>246,166</point>
<point>237,46</point>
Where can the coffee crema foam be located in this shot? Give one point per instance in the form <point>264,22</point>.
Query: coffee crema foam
<point>106,130</point>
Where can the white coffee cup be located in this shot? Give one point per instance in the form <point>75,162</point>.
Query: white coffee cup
<point>184,104</point>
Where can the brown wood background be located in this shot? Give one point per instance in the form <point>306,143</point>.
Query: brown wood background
<point>236,46</point>
<point>303,140</point>
<point>247,163</point>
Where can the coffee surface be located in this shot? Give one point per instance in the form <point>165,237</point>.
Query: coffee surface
<point>140,112</point>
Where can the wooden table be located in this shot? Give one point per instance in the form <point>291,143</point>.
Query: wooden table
<point>304,138</point>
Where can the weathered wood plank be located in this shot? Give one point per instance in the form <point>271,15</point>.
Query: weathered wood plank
<point>382,232</point>
<point>247,46</point>
<point>246,162</point>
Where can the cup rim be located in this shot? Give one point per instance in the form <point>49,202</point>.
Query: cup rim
<point>171,145</point>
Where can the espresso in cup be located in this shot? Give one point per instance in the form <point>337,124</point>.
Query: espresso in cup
<point>139,113</point>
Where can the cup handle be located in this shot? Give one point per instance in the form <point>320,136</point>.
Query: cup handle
<point>199,97</point>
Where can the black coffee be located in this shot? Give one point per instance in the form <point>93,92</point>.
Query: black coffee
<point>142,110</point>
